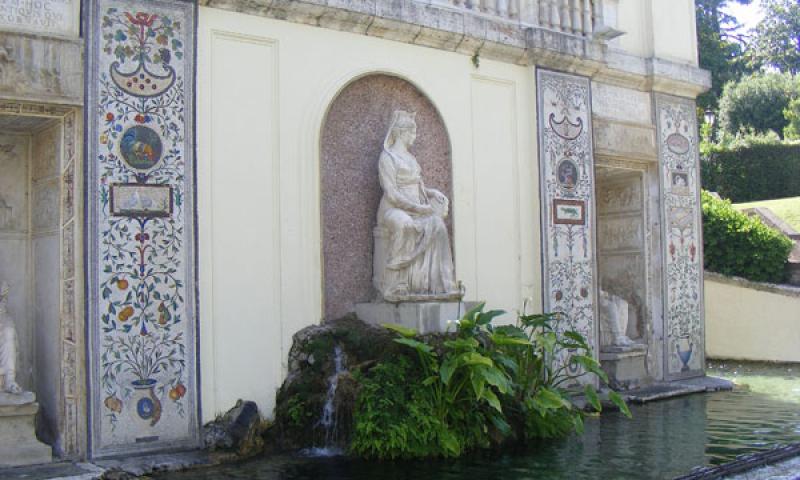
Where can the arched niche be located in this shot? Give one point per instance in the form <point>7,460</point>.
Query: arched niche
<point>350,144</point>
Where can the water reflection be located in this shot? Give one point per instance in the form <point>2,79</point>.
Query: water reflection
<point>664,439</point>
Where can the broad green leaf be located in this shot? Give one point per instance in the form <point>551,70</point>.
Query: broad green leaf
<point>494,377</point>
<point>512,331</point>
<point>500,423</point>
<point>474,358</point>
<point>416,345</point>
<point>503,339</point>
<point>535,321</point>
<point>508,363</point>
<point>447,369</point>
<point>592,398</point>
<point>473,312</point>
<point>494,402</point>
<point>551,399</point>
<point>590,365</point>
<point>430,380</point>
<point>577,338</point>
<point>547,340</point>
<point>449,442</point>
<point>403,331</point>
<point>462,344</point>
<point>617,400</point>
<point>478,384</point>
<point>485,318</point>
<point>577,422</point>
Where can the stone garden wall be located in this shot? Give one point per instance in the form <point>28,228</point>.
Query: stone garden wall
<point>751,321</point>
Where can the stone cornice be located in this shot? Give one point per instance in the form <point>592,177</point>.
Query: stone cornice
<point>481,36</point>
<point>786,290</point>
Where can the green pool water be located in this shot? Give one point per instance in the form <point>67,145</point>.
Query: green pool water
<point>665,439</point>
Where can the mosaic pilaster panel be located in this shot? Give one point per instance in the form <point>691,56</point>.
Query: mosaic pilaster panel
<point>566,163</point>
<point>140,120</point>
<point>683,258</point>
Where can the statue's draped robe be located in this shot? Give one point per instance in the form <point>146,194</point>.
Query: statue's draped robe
<point>8,348</point>
<point>419,259</point>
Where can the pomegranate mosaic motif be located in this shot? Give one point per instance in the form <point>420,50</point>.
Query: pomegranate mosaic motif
<point>142,306</point>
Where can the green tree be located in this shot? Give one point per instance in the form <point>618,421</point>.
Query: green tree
<point>792,114</point>
<point>720,44</point>
<point>756,103</point>
<point>776,42</point>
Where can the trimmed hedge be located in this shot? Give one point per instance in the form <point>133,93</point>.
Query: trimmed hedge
<point>755,172</point>
<point>738,245</point>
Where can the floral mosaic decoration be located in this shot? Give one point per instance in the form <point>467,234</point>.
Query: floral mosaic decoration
<point>567,186</point>
<point>144,329</point>
<point>678,154</point>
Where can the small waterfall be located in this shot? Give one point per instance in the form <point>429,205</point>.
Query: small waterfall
<point>328,419</point>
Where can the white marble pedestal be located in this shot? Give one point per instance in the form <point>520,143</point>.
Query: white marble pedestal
<point>424,317</point>
<point>18,443</point>
<point>625,365</point>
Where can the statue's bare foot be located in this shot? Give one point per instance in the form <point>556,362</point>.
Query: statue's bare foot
<point>624,341</point>
<point>14,388</point>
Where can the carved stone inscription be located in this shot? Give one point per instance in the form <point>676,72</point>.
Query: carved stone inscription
<point>59,17</point>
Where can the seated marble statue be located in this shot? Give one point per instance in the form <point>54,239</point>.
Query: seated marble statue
<point>613,312</point>
<point>8,346</point>
<point>414,261</point>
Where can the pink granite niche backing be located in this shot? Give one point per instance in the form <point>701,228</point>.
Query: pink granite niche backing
<point>351,142</point>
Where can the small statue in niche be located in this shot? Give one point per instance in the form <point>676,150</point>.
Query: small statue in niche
<point>8,345</point>
<point>413,260</point>
<point>613,320</point>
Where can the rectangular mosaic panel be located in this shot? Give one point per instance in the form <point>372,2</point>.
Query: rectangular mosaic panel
<point>142,324</point>
<point>566,163</point>
<point>683,258</point>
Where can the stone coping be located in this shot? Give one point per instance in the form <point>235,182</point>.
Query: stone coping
<point>786,290</point>
<point>768,217</point>
<point>618,352</point>
<point>482,36</point>
<point>16,398</point>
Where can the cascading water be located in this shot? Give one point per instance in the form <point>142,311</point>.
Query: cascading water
<point>328,419</point>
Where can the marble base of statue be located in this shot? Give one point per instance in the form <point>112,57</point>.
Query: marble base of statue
<point>18,443</point>
<point>422,316</point>
<point>626,365</point>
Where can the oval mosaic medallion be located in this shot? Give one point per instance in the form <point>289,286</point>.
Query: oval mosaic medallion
<point>141,147</point>
<point>567,174</point>
<point>678,144</point>
<point>145,408</point>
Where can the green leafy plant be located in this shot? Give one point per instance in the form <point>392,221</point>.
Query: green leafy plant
<point>547,382</point>
<point>297,412</point>
<point>483,385</point>
<point>739,245</point>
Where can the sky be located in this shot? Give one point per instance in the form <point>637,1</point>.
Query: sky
<point>748,15</point>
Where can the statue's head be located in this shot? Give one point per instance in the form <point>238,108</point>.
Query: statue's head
<point>402,129</point>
